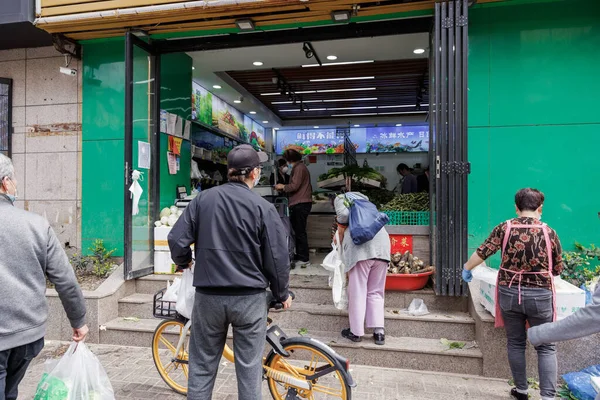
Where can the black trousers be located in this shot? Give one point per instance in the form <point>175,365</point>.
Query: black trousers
<point>299,217</point>
<point>13,365</point>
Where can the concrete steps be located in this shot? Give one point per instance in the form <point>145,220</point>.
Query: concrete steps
<point>398,352</point>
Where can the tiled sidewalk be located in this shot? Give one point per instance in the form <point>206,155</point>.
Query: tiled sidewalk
<point>133,376</point>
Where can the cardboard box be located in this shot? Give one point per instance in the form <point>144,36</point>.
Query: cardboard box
<point>569,298</point>
<point>160,238</point>
<point>163,263</point>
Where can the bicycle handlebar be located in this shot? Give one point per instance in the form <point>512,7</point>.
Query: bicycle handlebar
<point>276,305</point>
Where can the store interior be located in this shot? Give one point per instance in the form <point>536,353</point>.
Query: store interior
<point>307,96</point>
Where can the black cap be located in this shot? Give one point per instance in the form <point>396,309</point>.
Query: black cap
<point>244,158</point>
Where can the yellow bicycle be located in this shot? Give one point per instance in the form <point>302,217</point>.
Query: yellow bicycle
<point>295,368</point>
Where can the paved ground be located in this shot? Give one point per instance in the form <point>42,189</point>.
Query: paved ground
<point>134,376</point>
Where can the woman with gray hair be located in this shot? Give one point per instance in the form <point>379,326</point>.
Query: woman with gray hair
<point>367,266</point>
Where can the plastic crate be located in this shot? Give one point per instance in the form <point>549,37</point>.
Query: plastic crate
<point>408,217</point>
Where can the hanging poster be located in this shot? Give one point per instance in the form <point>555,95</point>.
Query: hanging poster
<point>179,127</point>
<point>144,156</point>
<point>227,118</point>
<point>314,141</point>
<point>172,162</point>
<point>163,121</point>
<point>187,130</point>
<point>257,135</point>
<point>202,103</point>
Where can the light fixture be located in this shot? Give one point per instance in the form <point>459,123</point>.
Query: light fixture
<point>419,51</point>
<point>281,102</point>
<point>265,122</point>
<point>193,68</point>
<point>315,127</point>
<point>340,16</point>
<point>338,63</point>
<point>317,109</point>
<point>291,110</point>
<point>362,99</point>
<point>253,112</point>
<point>352,108</point>
<point>353,115</point>
<point>279,93</point>
<point>245,24</point>
<point>398,124</point>
<point>216,86</point>
<point>357,126</point>
<point>404,106</point>
<point>403,112</point>
<point>237,101</point>
<point>332,58</point>
<point>257,63</point>
<point>354,78</point>
<point>345,90</point>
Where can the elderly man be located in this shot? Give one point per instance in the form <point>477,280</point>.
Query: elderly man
<point>29,252</point>
<point>241,248</point>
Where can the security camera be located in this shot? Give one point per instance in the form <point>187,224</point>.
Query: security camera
<point>308,50</point>
<point>68,71</point>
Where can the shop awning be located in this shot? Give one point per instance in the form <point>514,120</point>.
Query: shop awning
<point>90,19</point>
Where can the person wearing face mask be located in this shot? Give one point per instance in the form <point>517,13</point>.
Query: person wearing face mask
<point>299,190</point>
<point>283,176</point>
<point>531,257</point>
<point>29,253</point>
<point>241,248</point>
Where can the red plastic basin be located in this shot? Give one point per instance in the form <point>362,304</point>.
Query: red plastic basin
<point>407,282</point>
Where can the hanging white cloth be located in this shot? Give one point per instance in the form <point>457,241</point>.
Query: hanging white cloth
<point>136,191</point>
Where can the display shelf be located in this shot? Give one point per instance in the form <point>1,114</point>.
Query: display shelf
<point>420,218</point>
<point>340,181</point>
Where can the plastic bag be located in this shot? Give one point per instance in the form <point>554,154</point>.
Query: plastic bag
<point>77,375</point>
<point>417,308</point>
<point>333,259</point>
<point>172,290</point>
<point>337,275</point>
<point>187,293</point>
<point>580,383</point>
<point>365,221</point>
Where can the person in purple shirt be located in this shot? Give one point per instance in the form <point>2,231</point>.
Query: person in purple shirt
<point>409,183</point>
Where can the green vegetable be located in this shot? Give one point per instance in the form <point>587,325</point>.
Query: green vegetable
<point>408,202</point>
<point>453,345</point>
<point>303,331</point>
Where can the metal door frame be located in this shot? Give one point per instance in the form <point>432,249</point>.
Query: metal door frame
<point>132,41</point>
<point>448,127</point>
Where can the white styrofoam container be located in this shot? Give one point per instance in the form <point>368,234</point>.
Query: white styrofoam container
<point>163,263</point>
<point>569,298</point>
<point>160,238</point>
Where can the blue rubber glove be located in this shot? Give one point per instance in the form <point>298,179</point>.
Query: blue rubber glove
<point>467,275</point>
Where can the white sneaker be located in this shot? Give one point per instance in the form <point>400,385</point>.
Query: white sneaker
<point>302,264</point>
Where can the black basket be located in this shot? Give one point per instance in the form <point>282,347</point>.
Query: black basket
<point>164,309</point>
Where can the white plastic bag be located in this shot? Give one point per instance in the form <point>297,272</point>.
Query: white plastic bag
<point>77,375</point>
<point>339,283</point>
<point>333,259</point>
<point>417,308</point>
<point>185,297</point>
<point>172,290</point>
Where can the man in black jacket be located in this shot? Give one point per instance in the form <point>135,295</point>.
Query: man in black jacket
<point>241,249</point>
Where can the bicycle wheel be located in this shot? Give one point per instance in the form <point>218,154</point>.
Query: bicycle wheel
<point>172,367</point>
<point>305,360</point>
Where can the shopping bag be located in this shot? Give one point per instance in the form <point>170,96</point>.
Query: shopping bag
<point>185,297</point>
<point>338,280</point>
<point>77,375</point>
<point>365,221</point>
<point>172,290</point>
<point>333,259</point>
<point>580,383</point>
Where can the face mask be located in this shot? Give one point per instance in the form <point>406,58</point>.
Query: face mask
<point>285,170</point>
<point>13,197</point>
<point>290,166</point>
<point>257,179</point>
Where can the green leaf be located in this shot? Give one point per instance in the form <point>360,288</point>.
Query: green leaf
<point>303,331</point>
<point>453,345</point>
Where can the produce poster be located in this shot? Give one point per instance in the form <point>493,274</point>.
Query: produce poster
<point>257,135</point>
<point>227,118</point>
<point>202,104</point>
<point>397,139</point>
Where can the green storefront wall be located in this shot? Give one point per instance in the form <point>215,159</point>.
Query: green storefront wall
<point>532,120</point>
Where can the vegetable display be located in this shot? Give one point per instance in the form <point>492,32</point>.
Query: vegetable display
<point>357,173</point>
<point>407,264</point>
<point>168,216</point>
<point>408,202</point>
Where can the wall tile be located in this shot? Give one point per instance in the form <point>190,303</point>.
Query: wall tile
<point>62,216</point>
<point>18,120</point>
<point>18,143</point>
<point>59,115</point>
<point>19,164</point>
<point>12,54</point>
<point>44,52</point>
<point>51,176</point>
<point>15,70</point>
<point>46,85</point>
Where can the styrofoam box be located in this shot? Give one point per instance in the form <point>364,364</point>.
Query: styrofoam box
<point>569,298</point>
<point>160,238</point>
<point>163,263</point>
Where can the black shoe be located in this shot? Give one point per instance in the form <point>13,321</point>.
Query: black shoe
<point>518,396</point>
<point>379,338</point>
<point>347,333</point>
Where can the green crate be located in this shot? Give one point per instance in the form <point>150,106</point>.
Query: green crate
<point>408,217</point>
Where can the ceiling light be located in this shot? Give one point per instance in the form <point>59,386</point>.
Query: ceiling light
<point>216,87</point>
<point>270,94</point>
<point>340,16</point>
<point>237,101</point>
<point>265,122</point>
<point>355,78</point>
<point>351,108</point>
<point>362,99</point>
<point>279,94</point>
<point>353,115</point>
<point>404,112</point>
<point>281,102</point>
<point>315,127</point>
<point>338,63</point>
<point>252,112</point>
<point>356,126</point>
<point>398,124</point>
<point>332,58</point>
<point>257,63</point>
<point>306,91</point>
<point>345,90</point>
<point>419,51</point>
<point>317,109</point>
<point>312,101</point>
<point>291,110</point>
<point>245,24</point>
<point>193,68</point>
<point>405,106</point>
<point>424,105</point>
<point>275,129</point>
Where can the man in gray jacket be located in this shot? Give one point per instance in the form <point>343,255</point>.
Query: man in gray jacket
<point>584,322</point>
<point>29,252</point>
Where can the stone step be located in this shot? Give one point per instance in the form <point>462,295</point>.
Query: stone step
<point>436,325</point>
<point>398,352</point>
<point>314,289</point>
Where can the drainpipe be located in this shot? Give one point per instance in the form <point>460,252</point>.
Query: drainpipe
<point>133,11</point>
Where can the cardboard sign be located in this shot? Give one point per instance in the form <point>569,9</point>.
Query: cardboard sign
<point>401,243</point>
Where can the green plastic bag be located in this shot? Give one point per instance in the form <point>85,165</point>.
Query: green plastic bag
<point>51,388</point>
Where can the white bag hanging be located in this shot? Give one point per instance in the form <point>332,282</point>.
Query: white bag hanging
<point>172,290</point>
<point>333,259</point>
<point>187,293</point>
<point>339,282</point>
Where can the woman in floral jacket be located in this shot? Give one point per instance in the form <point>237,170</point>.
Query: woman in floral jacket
<point>531,256</point>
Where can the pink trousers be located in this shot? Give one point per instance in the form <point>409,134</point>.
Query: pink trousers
<point>366,292</point>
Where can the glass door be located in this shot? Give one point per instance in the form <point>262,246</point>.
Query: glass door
<point>141,155</point>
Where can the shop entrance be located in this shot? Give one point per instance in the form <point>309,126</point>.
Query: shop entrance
<point>447,130</point>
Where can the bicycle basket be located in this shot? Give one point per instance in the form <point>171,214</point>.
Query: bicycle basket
<point>164,309</point>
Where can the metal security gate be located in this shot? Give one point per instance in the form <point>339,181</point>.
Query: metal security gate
<point>448,126</point>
